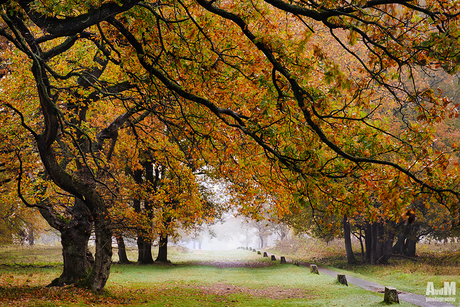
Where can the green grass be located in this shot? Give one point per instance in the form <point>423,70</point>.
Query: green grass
<point>192,285</point>
<point>406,275</point>
<point>437,263</point>
<point>30,255</point>
<point>194,279</point>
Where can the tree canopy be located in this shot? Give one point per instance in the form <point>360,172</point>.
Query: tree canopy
<point>321,105</point>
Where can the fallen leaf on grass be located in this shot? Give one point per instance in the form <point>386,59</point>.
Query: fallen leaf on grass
<point>276,293</point>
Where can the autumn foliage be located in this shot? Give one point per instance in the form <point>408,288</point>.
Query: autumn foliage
<point>308,109</point>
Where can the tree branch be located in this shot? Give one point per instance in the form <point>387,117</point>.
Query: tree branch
<point>70,26</point>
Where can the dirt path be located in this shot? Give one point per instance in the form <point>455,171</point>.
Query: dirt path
<point>416,299</point>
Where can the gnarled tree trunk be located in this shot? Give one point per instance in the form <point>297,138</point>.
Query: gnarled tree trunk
<point>76,186</point>
<point>75,234</point>
<point>103,259</point>
<point>52,123</point>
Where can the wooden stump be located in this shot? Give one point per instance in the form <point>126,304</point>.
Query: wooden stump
<point>314,269</point>
<point>342,279</point>
<point>391,295</point>
<point>295,262</point>
<point>273,258</point>
<point>265,254</point>
<point>283,260</point>
<point>258,253</point>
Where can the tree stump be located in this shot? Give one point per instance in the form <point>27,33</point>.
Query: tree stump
<point>391,295</point>
<point>295,262</point>
<point>265,254</point>
<point>342,279</point>
<point>283,260</point>
<point>258,253</point>
<point>273,258</point>
<point>314,269</point>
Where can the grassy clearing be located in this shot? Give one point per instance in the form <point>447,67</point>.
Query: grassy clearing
<point>206,285</point>
<point>30,255</point>
<point>437,263</point>
<point>201,278</point>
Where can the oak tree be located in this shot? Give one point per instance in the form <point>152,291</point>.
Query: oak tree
<point>308,104</point>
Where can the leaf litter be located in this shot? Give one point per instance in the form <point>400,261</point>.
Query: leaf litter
<point>276,293</point>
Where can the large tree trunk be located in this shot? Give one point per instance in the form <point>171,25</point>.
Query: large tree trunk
<point>410,247</point>
<point>387,239</point>
<point>411,241</point>
<point>75,258</point>
<point>406,243</point>
<point>30,236</point>
<point>74,239</point>
<point>398,248</point>
<point>86,189</point>
<point>348,247</point>
<point>144,247</point>
<point>122,257</point>
<point>99,212</point>
<point>144,244</point>
<point>140,248</point>
<point>379,239</point>
<point>374,242</point>
<point>163,249</point>
<point>103,259</point>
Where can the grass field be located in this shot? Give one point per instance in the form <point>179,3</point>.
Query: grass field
<point>198,278</point>
<point>437,263</point>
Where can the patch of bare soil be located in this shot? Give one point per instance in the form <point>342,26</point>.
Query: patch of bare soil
<point>276,293</point>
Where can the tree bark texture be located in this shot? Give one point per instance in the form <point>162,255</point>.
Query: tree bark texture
<point>342,279</point>
<point>122,256</point>
<point>103,260</point>
<point>144,243</point>
<point>163,249</point>
<point>391,295</point>
<point>75,235</point>
<point>380,241</point>
<point>144,246</point>
<point>348,247</point>
<point>314,269</point>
